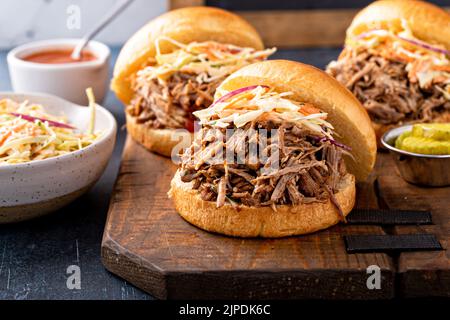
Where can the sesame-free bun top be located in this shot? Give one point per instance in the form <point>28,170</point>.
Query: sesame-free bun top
<point>184,25</point>
<point>426,21</point>
<point>310,85</point>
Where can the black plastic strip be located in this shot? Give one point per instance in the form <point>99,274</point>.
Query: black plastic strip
<point>389,243</point>
<point>389,217</point>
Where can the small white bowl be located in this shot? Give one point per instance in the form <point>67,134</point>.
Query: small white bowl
<point>32,189</point>
<point>65,80</point>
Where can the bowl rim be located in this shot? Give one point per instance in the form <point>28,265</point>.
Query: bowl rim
<point>111,131</point>
<point>392,148</point>
<point>100,49</point>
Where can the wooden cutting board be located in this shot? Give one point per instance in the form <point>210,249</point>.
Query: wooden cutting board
<point>147,243</point>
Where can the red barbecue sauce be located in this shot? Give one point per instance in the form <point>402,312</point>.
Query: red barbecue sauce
<point>58,56</point>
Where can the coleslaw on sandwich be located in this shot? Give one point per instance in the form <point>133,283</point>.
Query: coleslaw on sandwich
<point>427,64</point>
<point>396,77</point>
<point>247,104</point>
<point>210,60</point>
<point>173,85</point>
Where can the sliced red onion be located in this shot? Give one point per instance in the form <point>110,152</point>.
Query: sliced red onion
<point>235,50</point>
<point>332,141</point>
<point>236,92</point>
<point>340,145</point>
<point>425,45</point>
<point>50,122</point>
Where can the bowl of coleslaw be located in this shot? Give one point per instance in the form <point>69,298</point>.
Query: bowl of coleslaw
<point>51,152</point>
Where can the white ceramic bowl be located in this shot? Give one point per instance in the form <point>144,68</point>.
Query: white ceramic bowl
<point>66,80</point>
<point>35,188</point>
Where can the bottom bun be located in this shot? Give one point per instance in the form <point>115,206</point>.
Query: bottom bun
<point>381,129</point>
<point>288,220</point>
<point>161,141</point>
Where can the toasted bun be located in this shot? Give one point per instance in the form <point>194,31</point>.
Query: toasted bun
<point>427,21</point>
<point>183,25</point>
<point>161,141</point>
<point>309,84</point>
<point>288,220</point>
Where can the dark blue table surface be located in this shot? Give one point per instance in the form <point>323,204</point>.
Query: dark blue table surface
<point>35,255</point>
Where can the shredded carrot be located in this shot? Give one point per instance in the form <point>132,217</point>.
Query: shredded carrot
<point>390,54</point>
<point>439,79</point>
<point>308,108</point>
<point>208,48</point>
<point>4,137</point>
<point>441,68</point>
<point>211,56</point>
<point>404,57</point>
<point>343,53</point>
<point>247,95</point>
<point>18,127</point>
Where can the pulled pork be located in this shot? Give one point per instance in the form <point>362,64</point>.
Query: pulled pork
<point>170,104</point>
<point>385,90</point>
<point>299,167</point>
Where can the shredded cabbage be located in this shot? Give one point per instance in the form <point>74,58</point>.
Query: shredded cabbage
<point>250,105</point>
<point>25,135</point>
<point>427,64</point>
<point>209,60</point>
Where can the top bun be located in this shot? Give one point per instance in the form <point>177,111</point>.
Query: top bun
<point>184,25</point>
<point>427,21</point>
<point>311,85</point>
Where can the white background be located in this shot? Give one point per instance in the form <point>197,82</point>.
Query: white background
<point>28,20</point>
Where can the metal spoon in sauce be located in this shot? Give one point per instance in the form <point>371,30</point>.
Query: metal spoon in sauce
<point>118,8</point>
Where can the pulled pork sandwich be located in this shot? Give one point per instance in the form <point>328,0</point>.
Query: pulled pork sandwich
<point>172,67</point>
<point>396,61</point>
<point>265,161</point>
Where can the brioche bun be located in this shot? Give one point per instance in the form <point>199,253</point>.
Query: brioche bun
<point>345,113</point>
<point>427,21</point>
<point>288,220</point>
<point>161,141</point>
<point>184,25</point>
<point>311,85</point>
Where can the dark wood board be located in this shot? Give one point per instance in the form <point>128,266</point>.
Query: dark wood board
<point>420,274</point>
<point>148,244</point>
